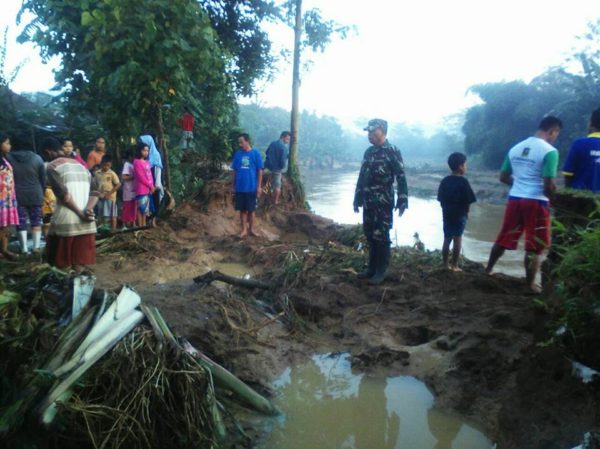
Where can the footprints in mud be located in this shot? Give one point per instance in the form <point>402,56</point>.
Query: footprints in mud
<point>501,320</point>
<point>380,356</point>
<point>415,335</point>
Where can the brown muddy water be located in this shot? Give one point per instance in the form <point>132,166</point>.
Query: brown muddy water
<point>331,195</point>
<point>327,406</point>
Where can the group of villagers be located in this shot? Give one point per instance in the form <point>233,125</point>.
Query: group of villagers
<point>64,197</point>
<point>77,190</point>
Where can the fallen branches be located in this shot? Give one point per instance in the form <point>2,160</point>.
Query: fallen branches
<point>107,383</point>
<point>215,275</point>
<point>221,376</point>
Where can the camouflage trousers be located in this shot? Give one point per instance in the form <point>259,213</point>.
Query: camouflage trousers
<point>377,223</point>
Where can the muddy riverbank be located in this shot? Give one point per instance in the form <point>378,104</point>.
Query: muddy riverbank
<point>470,337</point>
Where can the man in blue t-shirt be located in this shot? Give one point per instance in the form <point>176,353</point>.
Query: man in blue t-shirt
<point>582,167</point>
<point>247,169</point>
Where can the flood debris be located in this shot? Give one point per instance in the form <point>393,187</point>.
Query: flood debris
<point>83,287</point>
<point>216,275</point>
<point>113,375</point>
<point>472,337</point>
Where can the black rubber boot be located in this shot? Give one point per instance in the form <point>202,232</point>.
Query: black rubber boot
<point>370,271</point>
<point>382,262</point>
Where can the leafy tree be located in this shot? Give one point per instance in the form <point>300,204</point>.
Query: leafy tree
<point>510,111</point>
<point>238,24</point>
<point>133,65</point>
<point>324,141</point>
<point>126,60</point>
<point>263,124</point>
<point>27,119</point>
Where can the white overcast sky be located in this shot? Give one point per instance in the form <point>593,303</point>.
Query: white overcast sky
<point>409,61</point>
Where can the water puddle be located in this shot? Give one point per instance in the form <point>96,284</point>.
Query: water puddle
<point>326,406</point>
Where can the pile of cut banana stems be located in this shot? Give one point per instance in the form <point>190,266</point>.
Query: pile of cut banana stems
<point>119,377</point>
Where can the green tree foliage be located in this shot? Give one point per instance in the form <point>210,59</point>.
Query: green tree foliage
<point>126,60</point>
<point>238,24</point>
<point>511,111</point>
<point>133,65</point>
<point>26,118</point>
<point>263,124</point>
<point>324,142</point>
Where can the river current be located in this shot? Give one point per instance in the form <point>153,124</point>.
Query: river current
<point>331,193</point>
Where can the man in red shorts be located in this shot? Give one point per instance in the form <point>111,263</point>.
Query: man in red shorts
<point>529,169</point>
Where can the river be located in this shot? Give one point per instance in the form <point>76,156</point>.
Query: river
<point>331,193</point>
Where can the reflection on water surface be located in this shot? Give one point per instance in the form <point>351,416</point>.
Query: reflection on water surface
<point>326,406</point>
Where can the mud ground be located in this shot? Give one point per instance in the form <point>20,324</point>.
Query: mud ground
<point>473,339</point>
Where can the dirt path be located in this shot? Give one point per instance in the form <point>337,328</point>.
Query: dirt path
<point>468,336</point>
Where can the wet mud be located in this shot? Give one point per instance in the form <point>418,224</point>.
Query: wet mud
<point>470,337</point>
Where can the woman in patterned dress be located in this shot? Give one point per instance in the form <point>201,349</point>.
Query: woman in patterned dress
<point>8,200</point>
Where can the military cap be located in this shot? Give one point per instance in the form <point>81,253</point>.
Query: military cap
<point>377,123</point>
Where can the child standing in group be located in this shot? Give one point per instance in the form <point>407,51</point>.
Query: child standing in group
<point>8,199</point>
<point>107,183</point>
<point>456,196</point>
<point>48,207</point>
<point>72,151</point>
<point>129,213</point>
<point>144,183</point>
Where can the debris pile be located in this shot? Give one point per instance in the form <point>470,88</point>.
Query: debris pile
<point>82,367</point>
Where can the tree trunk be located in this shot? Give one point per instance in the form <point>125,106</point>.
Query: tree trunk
<point>293,170</point>
<point>162,144</point>
<point>115,144</point>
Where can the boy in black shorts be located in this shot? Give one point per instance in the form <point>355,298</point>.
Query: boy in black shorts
<point>455,195</point>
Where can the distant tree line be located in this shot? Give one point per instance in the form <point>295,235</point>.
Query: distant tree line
<point>324,143</point>
<point>510,111</point>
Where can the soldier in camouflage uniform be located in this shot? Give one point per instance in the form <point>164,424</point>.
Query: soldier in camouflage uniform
<point>381,165</point>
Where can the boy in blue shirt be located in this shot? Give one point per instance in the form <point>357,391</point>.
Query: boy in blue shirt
<point>455,195</point>
<point>247,169</point>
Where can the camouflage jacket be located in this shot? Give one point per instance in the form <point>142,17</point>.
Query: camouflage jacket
<point>375,185</point>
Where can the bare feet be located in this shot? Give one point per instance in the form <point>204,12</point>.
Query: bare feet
<point>533,288</point>
<point>252,233</point>
<point>244,234</point>
<point>456,269</point>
